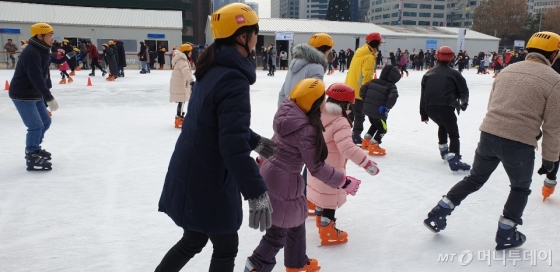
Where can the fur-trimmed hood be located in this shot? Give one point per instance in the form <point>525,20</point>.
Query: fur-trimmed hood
<point>331,114</point>
<point>304,54</point>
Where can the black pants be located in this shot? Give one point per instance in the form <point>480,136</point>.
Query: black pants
<point>271,68</point>
<point>180,109</point>
<point>223,258</point>
<point>377,129</point>
<point>72,64</point>
<point>329,213</point>
<point>357,117</point>
<point>518,160</point>
<point>445,118</point>
<point>64,73</point>
<point>95,63</point>
<point>403,70</point>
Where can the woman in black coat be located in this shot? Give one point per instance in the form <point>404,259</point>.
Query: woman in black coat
<point>110,57</point>
<point>161,57</point>
<point>121,56</point>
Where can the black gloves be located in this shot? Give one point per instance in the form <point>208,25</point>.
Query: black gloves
<point>464,105</point>
<point>546,167</point>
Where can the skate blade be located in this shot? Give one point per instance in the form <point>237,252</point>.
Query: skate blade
<point>431,228</point>
<point>39,168</point>
<point>504,247</point>
<point>330,243</point>
<point>461,172</point>
<point>378,154</point>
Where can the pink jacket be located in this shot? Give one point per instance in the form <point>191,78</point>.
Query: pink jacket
<point>338,136</point>
<point>64,66</point>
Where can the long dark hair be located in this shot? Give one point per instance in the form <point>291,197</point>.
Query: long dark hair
<point>314,116</point>
<point>187,54</point>
<point>343,105</point>
<point>207,59</point>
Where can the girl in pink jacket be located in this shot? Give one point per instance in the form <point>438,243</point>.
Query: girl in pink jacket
<point>338,137</point>
<point>63,67</point>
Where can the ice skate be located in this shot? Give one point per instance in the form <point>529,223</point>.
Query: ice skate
<point>70,80</point>
<point>443,150</point>
<point>178,122</point>
<point>507,235</point>
<point>111,78</point>
<point>143,71</point>
<point>92,74</point>
<point>330,235</point>
<point>62,81</point>
<point>375,150</point>
<point>318,216</point>
<point>365,141</point>
<point>548,188</point>
<point>437,217</point>
<point>311,266</point>
<point>455,163</point>
<point>36,163</point>
<point>357,139</point>
<point>72,73</point>
<point>45,154</point>
<point>103,73</point>
<point>310,208</point>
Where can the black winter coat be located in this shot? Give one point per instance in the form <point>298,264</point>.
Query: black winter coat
<point>381,92</point>
<point>442,86</point>
<point>121,55</point>
<point>110,57</point>
<point>392,58</point>
<point>211,166</point>
<point>31,79</point>
<point>142,54</point>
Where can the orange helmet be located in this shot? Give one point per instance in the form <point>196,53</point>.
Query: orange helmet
<point>445,53</point>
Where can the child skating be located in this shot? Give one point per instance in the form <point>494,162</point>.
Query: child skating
<point>63,67</point>
<point>298,133</point>
<point>338,137</point>
<point>380,95</point>
<point>181,79</point>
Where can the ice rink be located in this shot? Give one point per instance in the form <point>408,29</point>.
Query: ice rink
<point>111,144</point>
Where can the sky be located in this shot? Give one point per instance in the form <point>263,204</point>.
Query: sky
<point>264,7</point>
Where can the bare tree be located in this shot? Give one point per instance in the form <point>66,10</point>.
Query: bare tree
<point>550,20</point>
<point>505,18</point>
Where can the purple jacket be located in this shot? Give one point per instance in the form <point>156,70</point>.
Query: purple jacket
<point>404,60</point>
<point>295,138</point>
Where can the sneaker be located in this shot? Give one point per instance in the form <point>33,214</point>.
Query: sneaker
<point>443,150</point>
<point>437,217</point>
<point>507,235</point>
<point>455,163</point>
<point>311,266</point>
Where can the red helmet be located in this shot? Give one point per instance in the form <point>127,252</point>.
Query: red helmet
<point>374,36</point>
<point>445,53</point>
<point>341,92</point>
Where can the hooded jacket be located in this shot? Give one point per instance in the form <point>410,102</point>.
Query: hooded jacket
<point>181,77</point>
<point>361,68</point>
<point>307,62</point>
<point>31,80</point>
<point>442,86</point>
<point>338,136</point>
<point>211,166</point>
<point>381,92</point>
<point>525,97</point>
<point>295,138</point>
<point>121,55</point>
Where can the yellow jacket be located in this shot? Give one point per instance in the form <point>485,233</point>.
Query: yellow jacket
<point>361,68</point>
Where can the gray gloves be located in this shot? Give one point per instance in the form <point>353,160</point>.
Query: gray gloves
<point>53,105</point>
<point>71,54</point>
<point>260,211</point>
<point>266,147</point>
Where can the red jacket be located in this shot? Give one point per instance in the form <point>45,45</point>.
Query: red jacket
<point>507,58</point>
<point>92,51</point>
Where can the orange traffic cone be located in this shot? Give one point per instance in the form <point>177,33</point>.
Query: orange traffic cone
<point>7,86</point>
<point>374,75</point>
<point>89,81</point>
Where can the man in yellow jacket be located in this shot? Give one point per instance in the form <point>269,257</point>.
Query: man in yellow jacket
<point>361,73</point>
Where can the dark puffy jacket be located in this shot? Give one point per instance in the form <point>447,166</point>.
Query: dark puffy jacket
<point>442,86</point>
<point>142,54</point>
<point>211,166</point>
<point>31,80</point>
<point>121,56</point>
<point>556,65</point>
<point>381,92</point>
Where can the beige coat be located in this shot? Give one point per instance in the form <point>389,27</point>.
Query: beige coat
<point>525,97</point>
<point>181,77</point>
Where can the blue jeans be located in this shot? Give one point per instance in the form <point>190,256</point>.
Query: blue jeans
<point>518,159</point>
<point>37,120</point>
<point>143,63</point>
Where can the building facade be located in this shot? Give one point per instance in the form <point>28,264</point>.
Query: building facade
<point>540,6</point>
<point>186,6</point>
<point>254,6</point>
<point>201,10</point>
<point>299,9</point>
<point>398,12</point>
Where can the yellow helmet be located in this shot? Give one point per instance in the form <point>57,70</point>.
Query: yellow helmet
<point>185,47</point>
<point>41,28</point>
<point>229,18</point>
<point>320,39</point>
<point>306,92</point>
<point>66,41</point>
<point>545,41</point>
<point>111,42</point>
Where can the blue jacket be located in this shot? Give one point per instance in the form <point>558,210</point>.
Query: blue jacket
<point>31,80</point>
<point>211,164</point>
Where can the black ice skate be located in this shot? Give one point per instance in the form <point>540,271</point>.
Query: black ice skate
<point>357,139</point>
<point>455,163</point>
<point>36,163</point>
<point>103,73</point>
<point>507,235</point>
<point>443,150</point>
<point>437,217</point>
<point>92,74</point>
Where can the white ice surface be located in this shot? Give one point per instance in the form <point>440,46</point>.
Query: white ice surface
<point>111,144</point>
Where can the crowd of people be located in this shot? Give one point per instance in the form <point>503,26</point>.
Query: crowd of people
<point>317,129</point>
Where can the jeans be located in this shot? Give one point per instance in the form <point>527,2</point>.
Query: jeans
<point>144,67</point>
<point>518,160</point>
<point>192,243</point>
<point>264,256</point>
<point>357,116</point>
<point>37,120</point>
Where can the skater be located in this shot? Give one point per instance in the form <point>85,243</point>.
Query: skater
<point>144,57</point>
<point>330,59</point>
<point>181,79</point>
<point>523,100</point>
<point>299,134</point>
<point>72,61</point>
<point>63,67</point>
<point>30,91</point>
<point>271,60</point>
<point>121,57</point>
<point>342,60</point>
<point>444,90</point>
<point>338,137</point>
<point>380,96</point>
<point>404,64</point>
<point>94,56</point>
<point>11,49</point>
<point>360,73</point>
<point>308,61</point>
<point>109,55</point>
<point>498,65</point>
<point>211,166</point>
<point>161,57</point>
